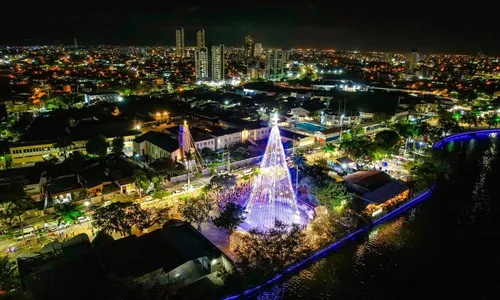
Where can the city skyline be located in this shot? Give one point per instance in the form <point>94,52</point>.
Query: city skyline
<point>439,26</point>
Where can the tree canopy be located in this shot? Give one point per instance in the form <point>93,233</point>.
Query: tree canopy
<point>196,210</point>
<point>117,145</point>
<point>331,194</point>
<point>231,216</point>
<point>97,145</point>
<point>272,250</point>
<point>117,217</point>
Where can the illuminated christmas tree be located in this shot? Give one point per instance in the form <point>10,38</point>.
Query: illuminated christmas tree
<point>272,195</point>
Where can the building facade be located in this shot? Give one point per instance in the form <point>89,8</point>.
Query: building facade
<point>179,42</point>
<point>257,50</point>
<point>200,39</point>
<point>218,63</point>
<point>412,60</point>
<point>275,66</point>
<point>201,63</point>
<point>249,48</point>
<point>29,154</point>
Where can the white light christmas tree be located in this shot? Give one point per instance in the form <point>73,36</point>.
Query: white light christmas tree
<point>272,195</point>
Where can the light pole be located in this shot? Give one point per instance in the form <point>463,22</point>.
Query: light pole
<point>87,204</point>
<point>341,123</point>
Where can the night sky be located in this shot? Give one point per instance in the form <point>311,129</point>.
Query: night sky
<point>429,26</point>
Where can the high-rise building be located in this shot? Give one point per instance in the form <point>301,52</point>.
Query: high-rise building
<point>200,39</point>
<point>249,47</point>
<point>412,60</point>
<point>76,43</point>
<point>275,66</point>
<point>201,63</point>
<point>218,63</point>
<point>179,42</point>
<point>257,52</point>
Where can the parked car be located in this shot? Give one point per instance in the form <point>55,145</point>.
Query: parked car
<point>83,219</point>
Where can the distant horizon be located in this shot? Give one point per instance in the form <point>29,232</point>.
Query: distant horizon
<point>491,54</point>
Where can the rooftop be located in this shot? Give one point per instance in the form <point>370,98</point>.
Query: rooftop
<point>370,180</point>
<point>159,139</point>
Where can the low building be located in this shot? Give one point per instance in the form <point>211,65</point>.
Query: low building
<point>157,145</point>
<point>329,118</point>
<point>378,188</point>
<point>328,135</point>
<point>111,97</point>
<point>175,255</point>
<point>27,152</point>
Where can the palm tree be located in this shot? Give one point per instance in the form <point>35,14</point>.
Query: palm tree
<point>67,213</point>
<point>141,182</point>
<point>16,195</point>
<point>492,121</point>
<point>299,161</point>
<point>188,157</point>
<point>470,119</point>
<point>329,149</point>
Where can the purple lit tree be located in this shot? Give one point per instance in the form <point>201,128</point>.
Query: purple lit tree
<point>272,195</point>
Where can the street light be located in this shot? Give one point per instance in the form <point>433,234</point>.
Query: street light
<point>87,204</point>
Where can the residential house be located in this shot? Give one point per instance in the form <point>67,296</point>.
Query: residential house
<point>377,187</point>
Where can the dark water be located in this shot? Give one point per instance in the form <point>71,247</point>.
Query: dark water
<point>446,248</point>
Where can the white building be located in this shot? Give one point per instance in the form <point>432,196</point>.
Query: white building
<point>200,39</point>
<point>228,137</point>
<point>330,119</point>
<point>179,42</point>
<point>201,63</point>
<point>275,66</point>
<point>218,63</point>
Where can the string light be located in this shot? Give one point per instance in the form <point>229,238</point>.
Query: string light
<point>272,195</point>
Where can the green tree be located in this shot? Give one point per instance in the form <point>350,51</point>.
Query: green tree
<point>118,217</point>
<point>471,119</point>
<point>208,153</point>
<point>8,214</point>
<point>67,213</point>
<point>329,149</point>
<point>331,194</point>
<point>387,140</point>
<point>15,194</point>
<point>97,145</point>
<point>64,143</point>
<point>299,161</point>
<point>196,210</point>
<point>231,216</point>
<point>154,216</point>
<point>141,182</point>
<point>269,251</point>
<point>117,145</point>
<point>492,121</point>
<point>356,147</point>
<point>380,117</point>
<point>9,276</point>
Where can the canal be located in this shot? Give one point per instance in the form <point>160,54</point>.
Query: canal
<point>448,247</point>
